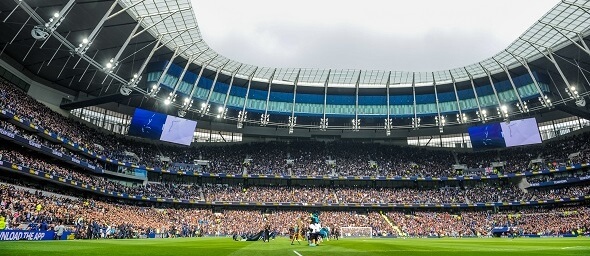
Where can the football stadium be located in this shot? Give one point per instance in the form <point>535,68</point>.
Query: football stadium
<point>124,132</point>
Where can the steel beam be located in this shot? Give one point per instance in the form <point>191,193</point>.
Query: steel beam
<point>492,84</point>
<point>21,29</point>
<point>124,9</point>
<point>294,94</point>
<point>86,69</point>
<point>436,96</point>
<point>356,102</point>
<point>584,8</point>
<point>525,64</point>
<point>511,81</point>
<point>213,85</point>
<point>387,85</point>
<point>98,27</point>
<point>550,57</point>
<point>474,90</point>
<point>137,76</point>
<point>165,71</point>
<point>124,46</point>
<point>456,95</point>
<point>164,13</point>
<point>272,76</point>
<point>414,96</point>
<point>10,14</point>
<point>203,67</point>
<point>582,47</point>
<point>248,92</point>
<point>231,83</point>
<point>156,23</point>
<point>180,78</point>
<point>326,83</point>
<point>555,84</point>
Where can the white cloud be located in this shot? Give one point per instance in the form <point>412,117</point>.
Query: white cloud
<point>370,34</point>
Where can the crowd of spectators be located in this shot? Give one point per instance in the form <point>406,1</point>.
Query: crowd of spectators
<point>424,224</point>
<point>546,221</point>
<point>558,177</point>
<point>482,192</point>
<point>95,219</point>
<point>309,158</point>
<point>35,138</point>
<point>552,222</point>
<point>56,169</point>
<point>92,219</point>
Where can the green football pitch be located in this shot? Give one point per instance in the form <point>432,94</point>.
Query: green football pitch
<point>281,246</point>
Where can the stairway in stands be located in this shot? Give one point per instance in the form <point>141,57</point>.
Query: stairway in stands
<point>393,226</point>
<point>456,158</point>
<point>201,193</point>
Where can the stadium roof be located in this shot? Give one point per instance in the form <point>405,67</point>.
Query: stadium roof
<point>114,30</point>
<point>566,21</point>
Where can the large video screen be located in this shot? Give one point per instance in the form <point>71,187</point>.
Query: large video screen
<point>486,136</point>
<point>158,126</point>
<point>147,124</point>
<point>521,132</point>
<point>500,135</point>
<point>178,130</point>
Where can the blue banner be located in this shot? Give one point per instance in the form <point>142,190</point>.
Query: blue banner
<point>560,182</point>
<point>4,134</point>
<point>15,235</point>
<point>500,229</point>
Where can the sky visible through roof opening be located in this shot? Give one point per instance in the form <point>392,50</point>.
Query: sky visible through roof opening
<point>425,35</point>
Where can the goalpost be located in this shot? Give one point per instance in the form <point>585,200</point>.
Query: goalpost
<point>356,232</point>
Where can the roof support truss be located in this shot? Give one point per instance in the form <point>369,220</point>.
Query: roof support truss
<point>194,88</point>
<point>460,117</point>
<point>436,96</point>
<point>213,87</point>
<point>324,120</point>
<point>525,64</point>
<point>388,121</point>
<point>356,123</point>
<point>582,45</point>
<point>124,9</point>
<point>294,95</point>
<point>231,83</point>
<point>96,30</point>
<point>550,57</point>
<point>584,8</point>
<point>480,111</point>
<point>492,84</point>
<point>414,96</point>
<point>134,32</point>
<point>264,118</point>
<point>137,76</point>
<point>511,81</point>
<point>243,115</point>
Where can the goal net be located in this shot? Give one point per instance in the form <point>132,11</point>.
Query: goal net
<point>356,232</point>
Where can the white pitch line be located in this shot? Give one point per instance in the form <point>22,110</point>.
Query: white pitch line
<point>573,247</point>
<point>298,254</point>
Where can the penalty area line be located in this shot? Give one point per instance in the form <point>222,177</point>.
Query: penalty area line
<point>298,254</point>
